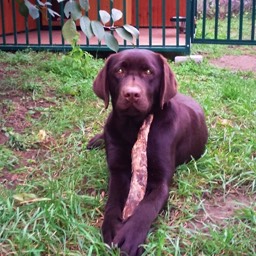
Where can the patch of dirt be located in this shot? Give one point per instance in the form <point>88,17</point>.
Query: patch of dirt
<point>15,108</point>
<point>3,138</point>
<point>240,62</point>
<point>28,161</point>
<point>217,210</point>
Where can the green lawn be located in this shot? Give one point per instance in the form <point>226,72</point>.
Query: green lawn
<point>53,191</point>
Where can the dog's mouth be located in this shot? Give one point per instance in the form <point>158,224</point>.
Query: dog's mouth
<point>133,110</point>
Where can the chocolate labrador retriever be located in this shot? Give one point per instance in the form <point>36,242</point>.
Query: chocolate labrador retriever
<point>139,83</point>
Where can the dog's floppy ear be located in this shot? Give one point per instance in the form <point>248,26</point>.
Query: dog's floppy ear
<point>169,83</point>
<point>100,84</point>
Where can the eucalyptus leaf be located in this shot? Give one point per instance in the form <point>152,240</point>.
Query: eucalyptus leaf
<point>72,8</point>
<point>67,9</point>
<point>48,3</point>
<point>52,12</point>
<point>85,5</point>
<point>104,16</point>
<point>132,30</point>
<point>23,9</point>
<point>97,29</point>
<point>111,42</point>
<point>85,25</point>
<point>116,14</point>
<point>33,11</point>
<point>124,34</point>
<point>69,31</point>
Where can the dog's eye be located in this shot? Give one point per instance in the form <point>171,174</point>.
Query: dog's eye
<point>148,72</point>
<point>120,71</point>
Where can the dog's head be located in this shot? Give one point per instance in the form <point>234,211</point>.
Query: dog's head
<point>136,80</point>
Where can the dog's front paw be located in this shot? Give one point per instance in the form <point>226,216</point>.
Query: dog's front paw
<point>130,240</point>
<point>96,142</point>
<point>109,230</point>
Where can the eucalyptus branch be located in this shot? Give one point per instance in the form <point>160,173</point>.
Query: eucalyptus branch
<point>74,11</point>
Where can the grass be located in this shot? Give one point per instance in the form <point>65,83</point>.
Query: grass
<point>55,199</point>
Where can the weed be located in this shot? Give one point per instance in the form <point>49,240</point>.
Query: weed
<point>8,160</point>
<point>7,106</point>
<point>17,141</point>
<point>247,215</point>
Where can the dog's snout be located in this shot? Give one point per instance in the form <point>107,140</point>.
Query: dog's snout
<point>132,93</point>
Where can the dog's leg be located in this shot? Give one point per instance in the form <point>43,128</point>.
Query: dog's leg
<point>117,194</point>
<point>134,231</point>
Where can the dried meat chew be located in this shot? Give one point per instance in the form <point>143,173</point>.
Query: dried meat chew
<point>139,169</point>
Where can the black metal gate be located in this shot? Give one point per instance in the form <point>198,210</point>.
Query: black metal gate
<point>163,25</point>
<point>224,22</point>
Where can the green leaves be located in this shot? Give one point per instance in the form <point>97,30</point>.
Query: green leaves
<point>23,9</point>
<point>84,5</point>
<point>132,30</point>
<point>116,14</point>
<point>104,30</point>
<point>69,31</point>
<point>33,11</point>
<point>85,25</point>
<point>124,34</point>
<point>73,9</point>
<point>111,42</point>
<point>104,16</point>
<point>98,29</point>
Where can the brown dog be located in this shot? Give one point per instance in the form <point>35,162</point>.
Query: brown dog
<point>139,83</point>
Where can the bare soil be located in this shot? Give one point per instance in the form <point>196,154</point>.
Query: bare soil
<point>218,209</point>
<point>237,63</point>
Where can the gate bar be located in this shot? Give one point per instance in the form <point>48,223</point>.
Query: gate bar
<point>150,21</point>
<point>216,19</point>
<point>190,22</point>
<point>163,21</point>
<point>177,22</point>
<point>38,26</point>
<point>62,23</point>
<point>241,19</point>
<point>14,22</point>
<point>3,26</point>
<point>253,19</point>
<point>204,19</point>
<point>26,30</point>
<point>124,7</point>
<point>229,19</point>
<point>137,20</point>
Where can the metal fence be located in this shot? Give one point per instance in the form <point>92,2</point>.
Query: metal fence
<point>225,22</point>
<point>156,20</point>
<point>164,25</point>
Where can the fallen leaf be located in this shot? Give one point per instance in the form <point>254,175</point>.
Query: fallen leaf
<point>42,135</point>
<point>25,198</point>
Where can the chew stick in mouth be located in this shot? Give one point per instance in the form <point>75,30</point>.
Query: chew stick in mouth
<point>139,169</point>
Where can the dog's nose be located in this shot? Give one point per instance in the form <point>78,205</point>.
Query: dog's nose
<point>132,93</point>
